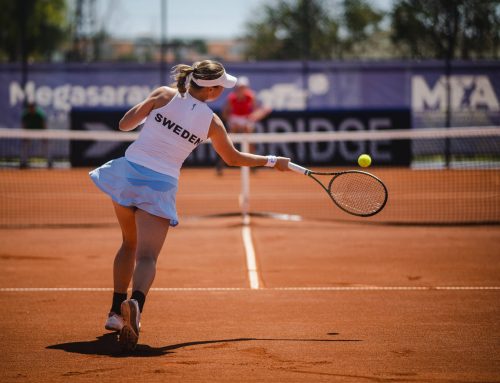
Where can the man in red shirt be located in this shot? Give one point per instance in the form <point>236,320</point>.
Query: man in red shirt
<point>241,111</point>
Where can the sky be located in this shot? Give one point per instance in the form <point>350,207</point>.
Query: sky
<point>212,19</point>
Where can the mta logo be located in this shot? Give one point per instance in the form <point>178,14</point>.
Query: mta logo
<point>467,93</point>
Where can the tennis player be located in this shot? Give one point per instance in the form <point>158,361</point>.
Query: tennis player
<point>143,183</point>
<point>241,110</point>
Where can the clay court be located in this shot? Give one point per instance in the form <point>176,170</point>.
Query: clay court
<point>336,300</point>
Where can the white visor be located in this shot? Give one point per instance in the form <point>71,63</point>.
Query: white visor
<point>226,80</point>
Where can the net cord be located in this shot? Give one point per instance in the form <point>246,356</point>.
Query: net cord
<point>396,134</point>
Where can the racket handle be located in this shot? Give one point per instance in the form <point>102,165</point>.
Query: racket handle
<point>297,168</point>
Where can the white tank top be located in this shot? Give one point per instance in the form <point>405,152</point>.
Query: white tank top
<point>170,134</point>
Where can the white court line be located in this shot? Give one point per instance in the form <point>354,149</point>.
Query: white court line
<point>253,274</point>
<point>215,289</point>
<point>387,288</point>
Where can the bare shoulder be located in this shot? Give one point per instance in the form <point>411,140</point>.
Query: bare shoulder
<point>217,122</point>
<point>162,96</point>
<point>216,126</point>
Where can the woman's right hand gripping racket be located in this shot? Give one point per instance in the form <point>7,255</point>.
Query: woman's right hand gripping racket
<point>356,192</point>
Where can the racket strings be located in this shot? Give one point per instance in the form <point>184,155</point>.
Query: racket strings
<point>358,193</point>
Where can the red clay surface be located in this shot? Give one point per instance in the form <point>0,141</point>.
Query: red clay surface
<point>68,197</point>
<point>274,334</point>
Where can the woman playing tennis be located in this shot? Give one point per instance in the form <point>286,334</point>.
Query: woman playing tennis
<point>143,184</point>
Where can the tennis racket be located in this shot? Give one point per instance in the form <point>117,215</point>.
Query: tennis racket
<point>356,192</point>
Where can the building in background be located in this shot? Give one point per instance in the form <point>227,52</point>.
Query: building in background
<point>147,49</point>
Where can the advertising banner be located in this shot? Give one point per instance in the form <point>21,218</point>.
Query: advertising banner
<point>284,86</point>
<point>333,153</point>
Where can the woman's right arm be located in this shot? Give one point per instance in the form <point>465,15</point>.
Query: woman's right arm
<point>158,98</point>
<point>233,157</point>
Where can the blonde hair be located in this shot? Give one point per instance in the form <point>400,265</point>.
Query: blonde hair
<point>203,70</point>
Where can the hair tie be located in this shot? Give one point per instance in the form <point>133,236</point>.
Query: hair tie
<point>188,79</point>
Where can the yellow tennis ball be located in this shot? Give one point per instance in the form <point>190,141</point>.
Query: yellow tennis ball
<point>364,160</point>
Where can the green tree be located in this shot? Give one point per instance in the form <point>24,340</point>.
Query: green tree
<point>199,45</point>
<point>315,29</point>
<point>466,29</point>
<point>292,30</point>
<point>361,20</point>
<point>362,30</point>
<point>33,27</point>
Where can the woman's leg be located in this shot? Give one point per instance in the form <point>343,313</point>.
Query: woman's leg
<point>123,266</point>
<point>151,234</point>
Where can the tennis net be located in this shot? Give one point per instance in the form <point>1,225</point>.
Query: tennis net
<point>434,176</point>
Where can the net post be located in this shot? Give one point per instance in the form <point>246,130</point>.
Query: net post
<point>245,186</point>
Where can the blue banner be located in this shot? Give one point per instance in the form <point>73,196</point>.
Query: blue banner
<point>420,86</point>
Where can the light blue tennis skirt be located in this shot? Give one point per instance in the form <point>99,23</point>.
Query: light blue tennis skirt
<point>130,184</point>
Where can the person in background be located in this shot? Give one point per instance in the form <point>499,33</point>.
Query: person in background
<point>241,111</point>
<point>33,118</point>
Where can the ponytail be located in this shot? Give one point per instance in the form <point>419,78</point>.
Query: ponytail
<point>180,74</point>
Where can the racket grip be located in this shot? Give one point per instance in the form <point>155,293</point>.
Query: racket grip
<point>297,168</point>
